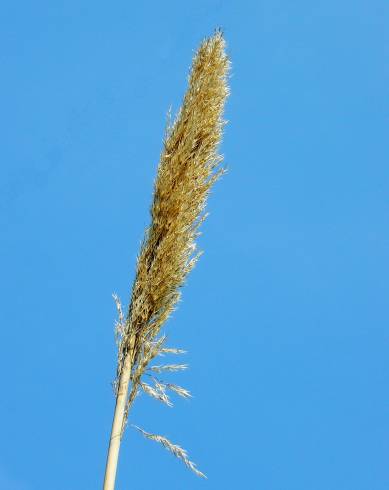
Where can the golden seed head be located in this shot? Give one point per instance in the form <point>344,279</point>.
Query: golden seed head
<point>189,165</point>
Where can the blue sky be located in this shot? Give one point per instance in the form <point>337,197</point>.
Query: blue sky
<point>285,317</point>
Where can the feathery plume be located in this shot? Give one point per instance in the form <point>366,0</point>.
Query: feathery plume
<point>189,166</point>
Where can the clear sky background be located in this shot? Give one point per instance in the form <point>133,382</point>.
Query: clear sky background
<point>285,317</point>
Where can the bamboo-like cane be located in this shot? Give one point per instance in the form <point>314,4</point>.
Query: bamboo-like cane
<point>188,167</point>
<point>117,429</point>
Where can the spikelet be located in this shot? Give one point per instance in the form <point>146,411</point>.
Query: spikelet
<point>171,350</point>
<point>189,166</point>
<point>175,449</point>
<point>179,390</point>
<point>169,367</point>
<point>158,394</point>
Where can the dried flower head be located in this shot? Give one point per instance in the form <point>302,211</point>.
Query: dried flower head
<point>189,166</point>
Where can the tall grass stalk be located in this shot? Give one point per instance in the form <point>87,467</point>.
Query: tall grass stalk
<point>189,166</point>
